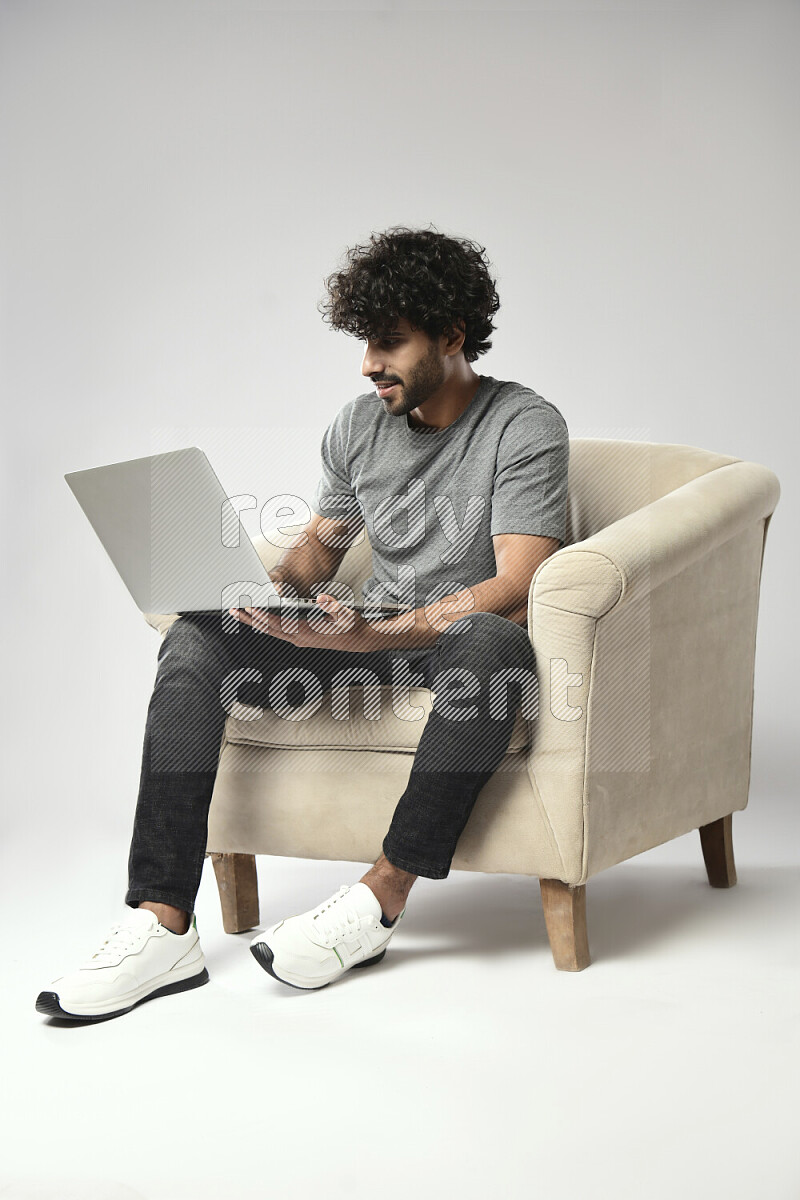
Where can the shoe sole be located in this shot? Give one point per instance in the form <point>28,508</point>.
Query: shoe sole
<point>49,1004</point>
<point>264,957</point>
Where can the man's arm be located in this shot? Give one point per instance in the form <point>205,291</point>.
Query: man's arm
<point>312,559</point>
<point>518,556</point>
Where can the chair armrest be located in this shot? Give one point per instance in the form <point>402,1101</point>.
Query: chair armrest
<point>628,751</point>
<point>637,553</point>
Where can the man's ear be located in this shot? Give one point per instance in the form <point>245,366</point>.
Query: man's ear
<point>455,333</point>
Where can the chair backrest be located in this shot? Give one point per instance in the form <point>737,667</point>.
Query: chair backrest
<point>608,479</point>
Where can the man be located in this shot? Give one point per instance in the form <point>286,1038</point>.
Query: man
<point>461,481</point>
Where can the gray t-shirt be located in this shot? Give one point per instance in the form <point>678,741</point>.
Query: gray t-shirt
<point>432,499</point>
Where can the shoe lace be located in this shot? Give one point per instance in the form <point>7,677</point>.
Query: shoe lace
<point>121,938</point>
<point>334,920</point>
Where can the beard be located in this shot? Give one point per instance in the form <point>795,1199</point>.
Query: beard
<point>426,378</point>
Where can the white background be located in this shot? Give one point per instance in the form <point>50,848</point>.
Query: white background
<point>178,179</point>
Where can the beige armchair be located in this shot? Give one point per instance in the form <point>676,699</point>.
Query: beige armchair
<point>644,629</point>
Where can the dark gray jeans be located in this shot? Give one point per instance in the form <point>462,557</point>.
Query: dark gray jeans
<point>463,742</point>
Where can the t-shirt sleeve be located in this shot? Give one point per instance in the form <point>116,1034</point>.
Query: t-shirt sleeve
<point>335,495</point>
<point>530,484</point>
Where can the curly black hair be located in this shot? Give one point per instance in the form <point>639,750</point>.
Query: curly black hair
<point>433,281</point>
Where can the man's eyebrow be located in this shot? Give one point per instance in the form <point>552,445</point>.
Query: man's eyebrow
<point>379,337</point>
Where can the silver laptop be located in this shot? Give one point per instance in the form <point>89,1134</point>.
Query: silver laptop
<point>178,542</point>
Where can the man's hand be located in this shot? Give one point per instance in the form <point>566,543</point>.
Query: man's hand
<point>341,628</point>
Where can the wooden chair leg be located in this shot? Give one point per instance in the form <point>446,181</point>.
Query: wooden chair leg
<point>238,890</point>
<point>565,918</point>
<point>717,842</point>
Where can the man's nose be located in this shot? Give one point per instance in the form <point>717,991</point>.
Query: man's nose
<point>371,363</point>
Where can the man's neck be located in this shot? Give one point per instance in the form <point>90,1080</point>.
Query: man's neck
<point>441,411</point>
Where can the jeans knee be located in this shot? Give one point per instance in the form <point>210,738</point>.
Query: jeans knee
<point>489,635</point>
<point>191,641</point>
<point>183,636</point>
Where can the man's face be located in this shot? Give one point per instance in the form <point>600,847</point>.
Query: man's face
<point>408,360</point>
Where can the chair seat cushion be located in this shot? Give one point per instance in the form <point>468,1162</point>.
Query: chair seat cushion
<point>320,730</point>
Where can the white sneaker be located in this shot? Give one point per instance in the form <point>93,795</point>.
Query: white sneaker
<point>139,960</point>
<point>311,950</point>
